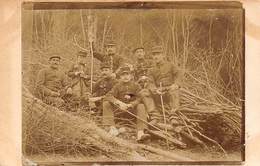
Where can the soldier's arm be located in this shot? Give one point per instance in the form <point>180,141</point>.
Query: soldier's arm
<point>98,55</point>
<point>138,95</point>
<point>96,86</point>
<point>151,85</point>
<point>177,74</point>
<point>112,94</point>
<point>40,87</point>
<point>65,82</point>
<point>71,72</point>
<point>119,61</point>
<point>114,91</point>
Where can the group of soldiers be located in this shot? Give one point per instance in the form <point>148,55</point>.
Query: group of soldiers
<point>138,90</point>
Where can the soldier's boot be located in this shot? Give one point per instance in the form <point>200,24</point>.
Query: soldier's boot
<point>108,114</point>
<point>141,136</point>
<point>150,106</point>
<point>142,123</point>
<point>113,131</point>
<point>174,100</point>
<point>174,104</point>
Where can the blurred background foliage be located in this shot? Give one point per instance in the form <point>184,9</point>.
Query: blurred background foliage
<point>207,44</point>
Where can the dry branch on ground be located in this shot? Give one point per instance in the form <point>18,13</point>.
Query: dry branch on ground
<point>46,129</point>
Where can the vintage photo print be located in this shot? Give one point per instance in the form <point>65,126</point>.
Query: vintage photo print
<point>133,82</point>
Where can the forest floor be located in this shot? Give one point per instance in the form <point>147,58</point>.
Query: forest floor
<point>64,120</point>
<point>194,154</point>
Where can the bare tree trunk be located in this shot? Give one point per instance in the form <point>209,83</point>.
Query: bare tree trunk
<point>83,28</point>
<point>104,33</point>
<point>210,32</point>
<point>141,28</point>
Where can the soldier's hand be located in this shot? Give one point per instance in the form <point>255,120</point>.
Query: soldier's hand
<point>159,91</point>
<point>76,73</point>
<point>55,94</point>
<point>84,76</point>
<point>123,106</point>
<point>69,91</point>
<point>113,75</point>
<point>79,73</point>
<point>174,87</point>
<point>129,105</point>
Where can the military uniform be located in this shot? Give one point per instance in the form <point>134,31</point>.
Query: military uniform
<point>141,68</point>
<point>49,82</point>
<point>114,60</point>
<point>126,92</point>
<point>102,87</point>
<point>164,74</point>
<point>79,74</point>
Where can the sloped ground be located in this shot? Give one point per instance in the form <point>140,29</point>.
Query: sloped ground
<point>53,135</point>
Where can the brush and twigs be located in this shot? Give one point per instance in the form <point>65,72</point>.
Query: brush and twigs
<point>47,130</point>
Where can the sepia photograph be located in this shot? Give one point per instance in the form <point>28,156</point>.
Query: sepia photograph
<point>133,83</point>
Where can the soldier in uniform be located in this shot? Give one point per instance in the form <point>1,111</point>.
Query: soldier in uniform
<point>110,56</point>
<point>141,67</point>
<point>103,85</point>
<point>165,78</point>
<point>125,95</point>
<point>79,79</point>
<point>52,84</point>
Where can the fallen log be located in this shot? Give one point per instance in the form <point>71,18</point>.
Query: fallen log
<point>46,125</point>
<point>182,133</point>
<point>173,140</point>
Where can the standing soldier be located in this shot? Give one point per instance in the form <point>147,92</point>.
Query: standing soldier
<point>103,85</point>
<point>165,78</point>
<point>125,95</point>
<point>51,83</point>
<point>110,56</point>
<point>79,75</point>
<point>141,67</point>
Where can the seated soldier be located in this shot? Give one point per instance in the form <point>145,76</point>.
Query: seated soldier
<point>51,83</point>
<point>79,75</point>
<point>103,85</point>
<point>125,96</point>
<point>165,77</point>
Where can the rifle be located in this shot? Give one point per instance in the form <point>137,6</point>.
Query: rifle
<point>164,89</point>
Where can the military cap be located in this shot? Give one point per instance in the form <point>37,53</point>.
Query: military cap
<point>104,65</point>
<point>82,53</point>
<point>138,48</point>
<point>110,43</point>
<point>54,56</point>
<point>125,69</point>
<point>157,49</point>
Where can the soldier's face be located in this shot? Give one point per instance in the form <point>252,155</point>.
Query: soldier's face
<point>126,77</point>
<point>111,49</point>
<point>158,57</point>
<point>140,53</point>
<point>82,59</point>
<point>106,72</point>
<point>54,62</point>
